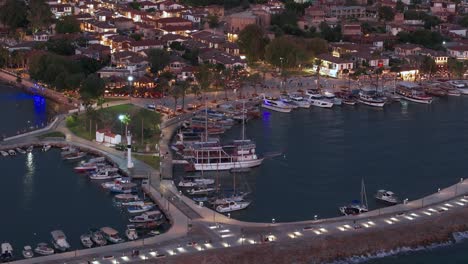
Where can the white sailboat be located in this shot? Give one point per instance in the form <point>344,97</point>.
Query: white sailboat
<point>357,207</point>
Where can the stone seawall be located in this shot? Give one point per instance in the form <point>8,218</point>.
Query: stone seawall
<point>341,246</point>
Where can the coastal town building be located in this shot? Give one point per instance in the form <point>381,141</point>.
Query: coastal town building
<point>333,66</point>
<point>459,52</point>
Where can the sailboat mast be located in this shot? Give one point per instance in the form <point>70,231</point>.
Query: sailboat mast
<point>243,119</point>
<point>206,119</point>
<point>363,193</point>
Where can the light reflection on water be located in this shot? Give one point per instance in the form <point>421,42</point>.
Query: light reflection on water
<point>28,179</point>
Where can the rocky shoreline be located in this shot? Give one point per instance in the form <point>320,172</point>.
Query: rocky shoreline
<point>342,246</point>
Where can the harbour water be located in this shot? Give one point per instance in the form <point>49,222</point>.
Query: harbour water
<point>411,149</point>
<point>22,111</point>
<point>40,192</point>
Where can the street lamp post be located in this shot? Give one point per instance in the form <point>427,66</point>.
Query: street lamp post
<point>125,119</point>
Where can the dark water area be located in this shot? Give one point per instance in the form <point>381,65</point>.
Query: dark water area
<point>41,193</point>
<point>22,111</point>
<point>411,149</point>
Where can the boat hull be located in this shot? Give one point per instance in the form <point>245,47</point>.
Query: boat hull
<point>320,103</point>
<point>417,100</point>
<point>227,165</point>
<point>277,109</point>
<point>369,103</point>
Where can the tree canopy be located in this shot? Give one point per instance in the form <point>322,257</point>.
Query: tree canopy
<point>13,14</point>
<point>67,24</point>
<point>330,34</point>
<point>386,13</point>
<point>92,88</point>
<point>39,15</point>
<point>158,59</point>
<point>427,38</point>
<point>252,42</point>
<point>284,52</point>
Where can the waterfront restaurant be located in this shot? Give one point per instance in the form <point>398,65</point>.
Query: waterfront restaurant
<point>332,66</point>
<point>408,74</point>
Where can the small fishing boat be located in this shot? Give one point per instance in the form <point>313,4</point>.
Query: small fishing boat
<point>111,235</point>
<point>4,153</point>
<point>147,225</point>
<point>11,152</point>
<point>203,198</point>
<point>46,148</point>
<point>105,174</point>
<point>147,217</point>
<point>30,149</point>
<point>115,182</point>
<point>44,249</point>
<point>299,100</point>
<point>98,237</point>
<point>6,253</point>
<point>194,181</point>
<point>201,190</point>
<point>28,252</point>
<point>131,232</point>
<point>136,209</point>
<point>129,187</point>
<point>20,150</point>
<point>232,206</point>
<point>86,240</point>
<point>236,197</point>
<point>137,203</point>
<point>126,197</point>
<point>59,240</point>
<point>74,156</point>
<point>387,197</point>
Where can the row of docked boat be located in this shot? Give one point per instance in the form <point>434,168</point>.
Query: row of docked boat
<point>203,190</point>
<point>15,151</point>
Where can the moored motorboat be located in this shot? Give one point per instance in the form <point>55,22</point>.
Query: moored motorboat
<point>44,249</point>
<point>11,152</point>
<point>276,105</point>
<point>28,252</point>
<point>125,197</point>
<point>74,155</point>
<point>147,217</point>
<point>201,190</point>
<point>387,197</point>
<point>195,181</point>
<point>131,232</point>
<point>98,237</point>
<point>105,174</point>
<point>111,235</point>
<point>317,99</point>
<point>30,149</point>
<point>4,153</point>
<point>86,240</point>
<point>129,187</point>
<point>6,253</point>
<point>232,206</point>
<point>46,148</point>
<point>299,100</point>
<point>136,209</point>
<point>59,240</point>
<point>20,150</point>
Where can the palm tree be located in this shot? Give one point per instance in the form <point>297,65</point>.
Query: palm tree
<point>100,101</point>
<point>184,85</point>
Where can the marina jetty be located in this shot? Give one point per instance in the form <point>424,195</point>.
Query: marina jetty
<point>342,246</point>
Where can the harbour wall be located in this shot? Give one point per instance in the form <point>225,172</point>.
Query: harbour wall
<point>341,246</point>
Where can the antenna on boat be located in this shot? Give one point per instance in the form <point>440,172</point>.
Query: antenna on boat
<point>363,193</point>
<point>243,120</point>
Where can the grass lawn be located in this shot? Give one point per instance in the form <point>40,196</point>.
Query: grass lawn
<point>151,160</point>
<point>144,124</point>
<point>54,134</point>
<point>114,99</point>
